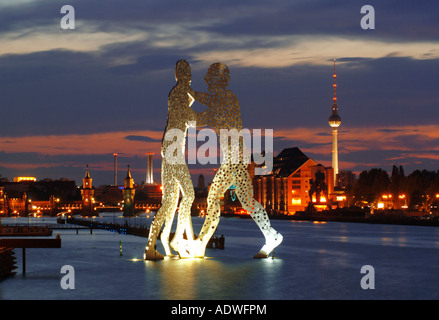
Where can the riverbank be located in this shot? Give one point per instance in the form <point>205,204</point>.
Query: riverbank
<point>384,217</point>
<point>396,217</point>
<point>413,221</point>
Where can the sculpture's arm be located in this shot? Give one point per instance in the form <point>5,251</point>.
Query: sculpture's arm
<point>203,98</point>
<point>204,118</point>
<point>191,94</point>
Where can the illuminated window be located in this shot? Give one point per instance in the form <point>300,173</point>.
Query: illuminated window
<point>19,179</point>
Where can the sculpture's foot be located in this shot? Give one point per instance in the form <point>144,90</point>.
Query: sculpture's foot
<point>199,249</point>
<point>271,242</point>
<point>191,249</point>
<point>152,255</point>
<point>183,247</point>
<point>177,244</point>
<point>168,251</point>
<point>184,254</point>
<point>260,255</point>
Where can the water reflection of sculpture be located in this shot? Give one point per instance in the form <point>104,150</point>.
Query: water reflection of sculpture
<point>175,174</point>
<point>223,112</point>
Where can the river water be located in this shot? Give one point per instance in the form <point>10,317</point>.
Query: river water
<point>315,261</point>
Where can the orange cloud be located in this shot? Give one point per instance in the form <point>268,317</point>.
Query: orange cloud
<point>408,142</point>
<point>96,143</point>
<point>408,138</point>
<point>403,144</point>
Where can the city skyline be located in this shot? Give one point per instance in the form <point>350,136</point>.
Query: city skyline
<point>75,97</point>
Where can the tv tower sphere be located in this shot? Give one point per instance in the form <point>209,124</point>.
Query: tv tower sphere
<point>334,119</point>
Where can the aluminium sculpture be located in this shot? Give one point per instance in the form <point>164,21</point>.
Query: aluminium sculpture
<point>223,113</point>
<point>175,173</point>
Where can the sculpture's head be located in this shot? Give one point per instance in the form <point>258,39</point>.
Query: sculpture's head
<point>217,77</point>
<point>183,71</point>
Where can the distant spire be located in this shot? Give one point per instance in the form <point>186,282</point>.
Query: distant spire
<point>129,182</point>
<point>335,88</point>
<point>128,173</point>
<point>87,174</point>
<point>86,182</point>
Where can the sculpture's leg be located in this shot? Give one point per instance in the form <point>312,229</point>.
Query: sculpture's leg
<point>244,191</point>
<point>184,216</point>
<point>173,203</point>
<point>221,182</point>
<point>167,208</point>
<point>151,252</point>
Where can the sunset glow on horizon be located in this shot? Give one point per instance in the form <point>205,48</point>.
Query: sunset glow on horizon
<point>75,97</point>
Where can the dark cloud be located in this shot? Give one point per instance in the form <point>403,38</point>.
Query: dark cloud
<point>388,91</point>
<point>28,15</point>
<point>148,63</point>
<point>417,141</point>
<point>395,19</point>
<point>66,92</point>
<point>44,159</point>
<point>141,138</point>
<point>390,130</point>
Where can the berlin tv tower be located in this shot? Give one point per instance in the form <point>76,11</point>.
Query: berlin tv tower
<point>334,121</point>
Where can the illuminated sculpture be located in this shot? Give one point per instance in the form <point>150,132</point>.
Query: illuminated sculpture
<point>175,174</point>
<point>223,112</point>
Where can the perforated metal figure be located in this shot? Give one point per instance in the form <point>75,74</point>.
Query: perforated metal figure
<point>175,173</point>
<point>223,112</point>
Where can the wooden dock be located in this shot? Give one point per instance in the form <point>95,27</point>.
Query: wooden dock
<point>7,262</point>
<point>11,243</point>
<point>141,231</point>
<point>216,242</point>
<point>49,226</point>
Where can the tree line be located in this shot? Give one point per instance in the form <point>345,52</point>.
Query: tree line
<point>418,190</point>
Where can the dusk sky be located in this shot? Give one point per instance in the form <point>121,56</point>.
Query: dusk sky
<point>69,98</point>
